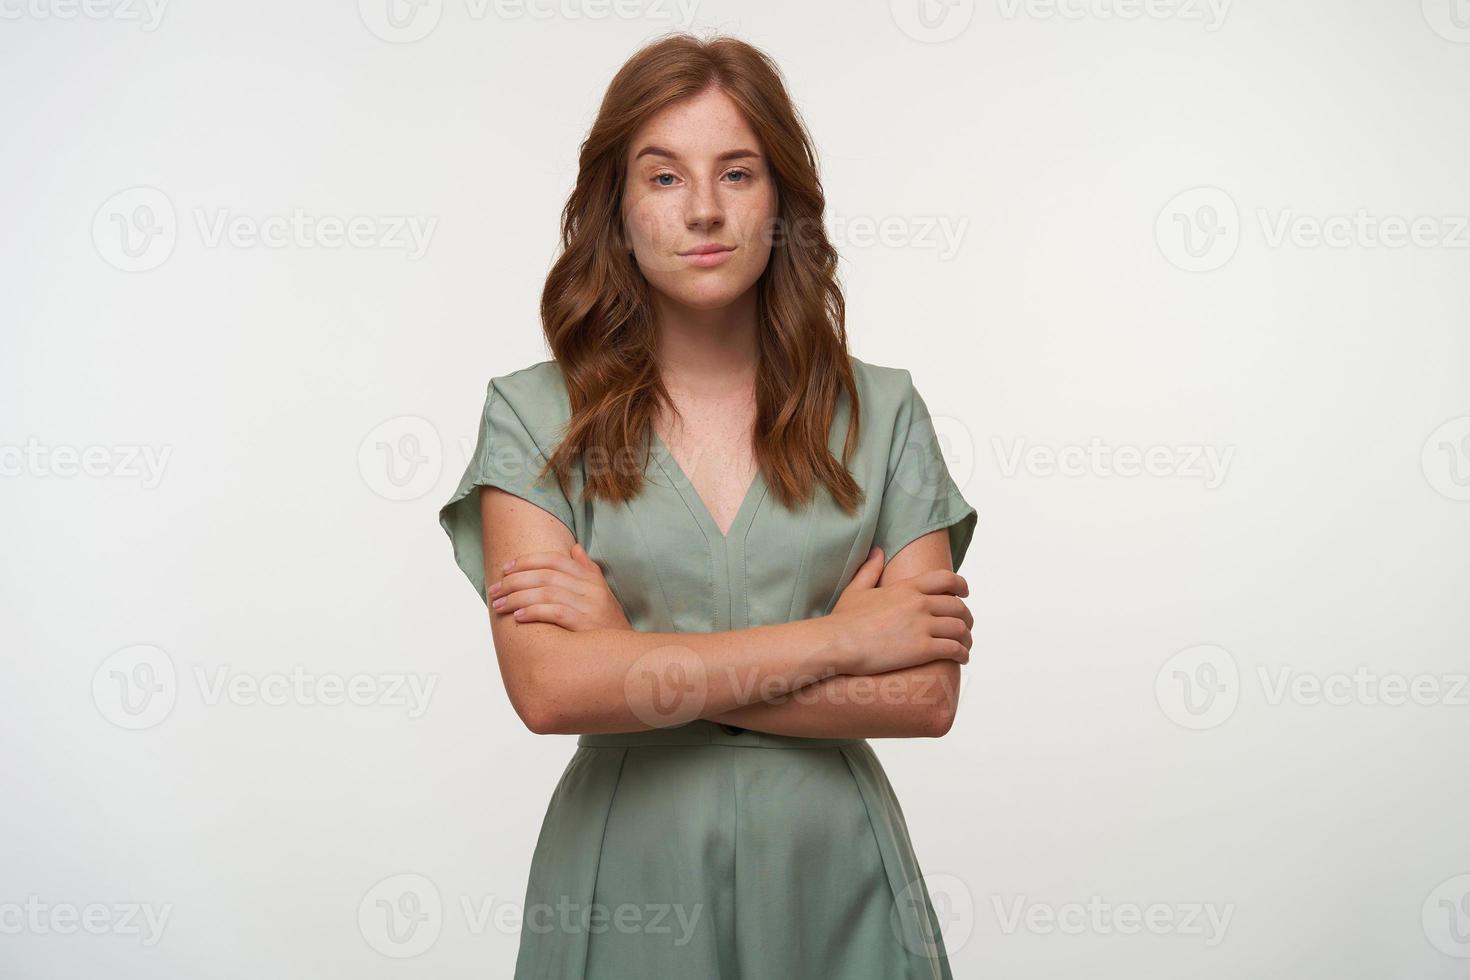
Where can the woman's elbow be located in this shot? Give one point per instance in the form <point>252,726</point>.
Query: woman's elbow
<point>939,718</point>
<point>542,721</point>
<point>939,712</point>
<point>544,712</point>
<point>534,704</point>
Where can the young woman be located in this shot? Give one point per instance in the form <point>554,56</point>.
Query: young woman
<point>720,550</point>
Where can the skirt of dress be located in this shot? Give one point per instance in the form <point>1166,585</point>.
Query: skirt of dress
<point>710,853</point>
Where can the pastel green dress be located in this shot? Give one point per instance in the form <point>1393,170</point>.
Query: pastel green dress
<point>701,851</point>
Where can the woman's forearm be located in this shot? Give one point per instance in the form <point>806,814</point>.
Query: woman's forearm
<point>916,701</point>
<point>609,680</point>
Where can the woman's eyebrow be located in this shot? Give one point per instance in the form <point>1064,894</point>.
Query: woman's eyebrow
<point>727,155</point>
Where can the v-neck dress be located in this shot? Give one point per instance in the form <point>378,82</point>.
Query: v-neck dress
<point>700,850</point>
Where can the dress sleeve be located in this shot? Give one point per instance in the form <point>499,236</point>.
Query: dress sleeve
<point>506,456</point>
<point>920,495</point>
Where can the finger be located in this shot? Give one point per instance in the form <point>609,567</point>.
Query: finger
<point>948,605</point>
<point>946,648</point>
<point>546,612</point>
<point>516,581</point>
<point>540,559</point>
<point>937,581</point>
<point>951,629</point>
<point>529,597</point>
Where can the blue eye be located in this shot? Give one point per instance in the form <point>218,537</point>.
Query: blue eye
<point>657,176</point>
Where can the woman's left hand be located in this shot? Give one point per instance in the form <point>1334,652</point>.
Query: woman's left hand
<point>567,590</point>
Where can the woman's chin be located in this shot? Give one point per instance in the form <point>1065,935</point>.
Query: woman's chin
<point>708,295</point>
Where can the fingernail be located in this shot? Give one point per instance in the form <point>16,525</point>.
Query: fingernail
<point>494,588</point>
<point>498,602</point>
<point>508,565</point>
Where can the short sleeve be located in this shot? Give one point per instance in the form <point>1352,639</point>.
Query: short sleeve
<point>920,495</point>
<point>507,456</point>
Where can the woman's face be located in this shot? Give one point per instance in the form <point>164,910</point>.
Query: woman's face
<point>697,177</point>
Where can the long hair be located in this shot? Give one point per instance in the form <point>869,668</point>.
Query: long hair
<point>597,314</point>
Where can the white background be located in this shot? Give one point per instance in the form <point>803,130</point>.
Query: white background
<point>1123,738</point>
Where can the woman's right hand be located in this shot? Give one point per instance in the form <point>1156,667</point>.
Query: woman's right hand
<point>902,624</point>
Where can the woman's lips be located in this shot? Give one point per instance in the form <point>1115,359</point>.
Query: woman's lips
<point>708,258</point>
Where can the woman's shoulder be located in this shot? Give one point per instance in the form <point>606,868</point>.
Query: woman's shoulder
<point>884,392</point>
<point>535,395</point>
<point>537,388</point>
<point>542,379</point>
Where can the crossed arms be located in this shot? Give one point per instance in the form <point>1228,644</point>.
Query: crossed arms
<point>570,661</point>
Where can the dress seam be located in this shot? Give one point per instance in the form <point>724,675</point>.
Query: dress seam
<point>601,845</point>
